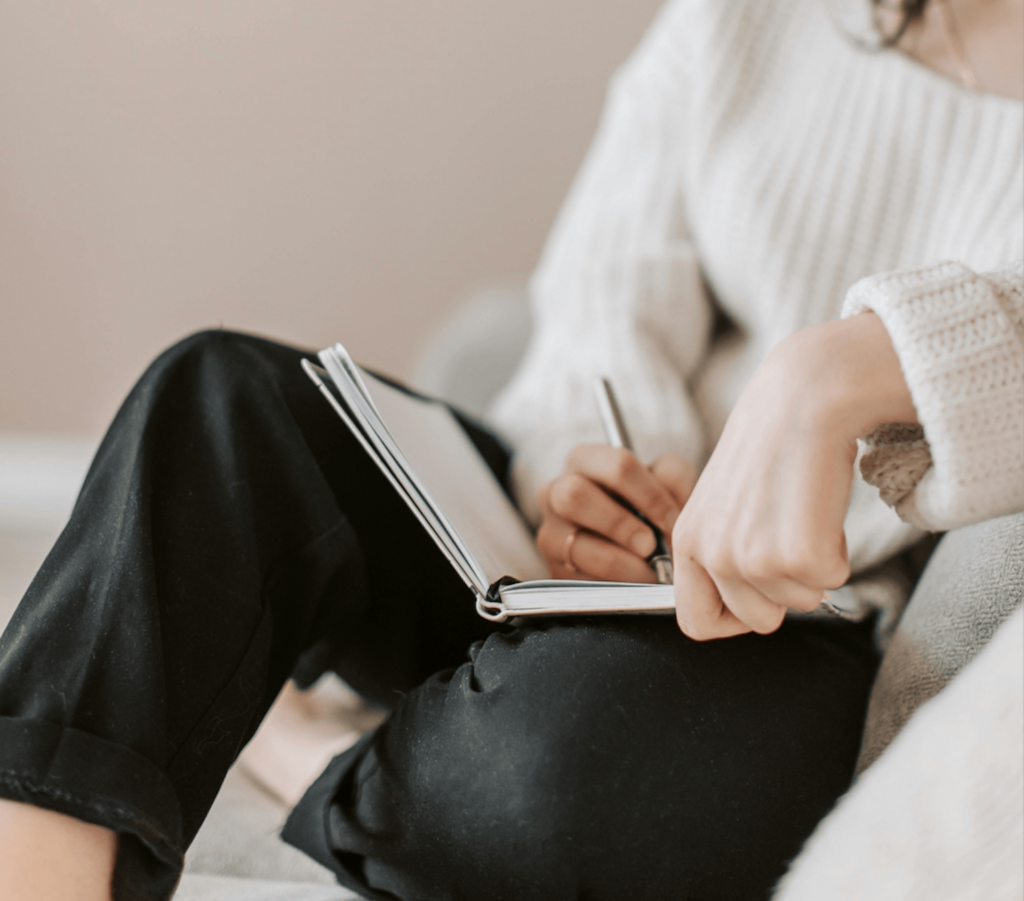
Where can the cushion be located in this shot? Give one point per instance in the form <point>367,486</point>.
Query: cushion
<point>973,581</point>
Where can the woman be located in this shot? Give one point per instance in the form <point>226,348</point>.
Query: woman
<point>598,758</point>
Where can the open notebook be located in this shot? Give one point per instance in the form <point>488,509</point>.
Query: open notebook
<point>430,461</point>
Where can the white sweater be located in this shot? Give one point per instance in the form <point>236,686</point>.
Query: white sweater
<point>750,153</point>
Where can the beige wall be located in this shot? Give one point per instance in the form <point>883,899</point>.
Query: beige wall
<point>310,169</point>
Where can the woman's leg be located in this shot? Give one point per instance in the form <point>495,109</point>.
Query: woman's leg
<point>47,856</point>
<point>599,759</point>
<point>230,532</point>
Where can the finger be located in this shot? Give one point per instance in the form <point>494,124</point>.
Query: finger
<point>784,579</point>
<point>801,570</point>
<point>751,607</point>
<point>700,611</point>
<point>677,474</point>
<point>621,472</point>
<point>587,556</point>
<point>604,561</point>
<point>575,498</point>
<point>552,541</point>
<point>787,593</point>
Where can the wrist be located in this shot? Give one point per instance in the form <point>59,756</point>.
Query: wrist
<point>849,376</point>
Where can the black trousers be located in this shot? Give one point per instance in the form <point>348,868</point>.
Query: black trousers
<point>232,533</point>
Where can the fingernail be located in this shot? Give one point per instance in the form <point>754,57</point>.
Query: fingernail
<point>642,543</point>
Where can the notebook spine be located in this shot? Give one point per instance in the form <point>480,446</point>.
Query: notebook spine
<point>491,606</point>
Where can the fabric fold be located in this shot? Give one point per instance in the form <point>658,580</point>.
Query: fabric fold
<point>41,764</point>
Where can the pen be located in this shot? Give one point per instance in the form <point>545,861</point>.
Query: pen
<point>617,436</point>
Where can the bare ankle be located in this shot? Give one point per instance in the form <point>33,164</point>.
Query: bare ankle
<point>47,856</point>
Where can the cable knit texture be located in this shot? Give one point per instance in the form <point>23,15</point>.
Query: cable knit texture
<point>896,457</point>
<point>752,161</point>
<point>960,339</point>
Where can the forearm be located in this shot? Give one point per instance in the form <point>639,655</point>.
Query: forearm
<point>763,530</point>
<point>844,377</point>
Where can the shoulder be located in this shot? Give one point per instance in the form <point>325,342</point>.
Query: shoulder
<point>699,33</point>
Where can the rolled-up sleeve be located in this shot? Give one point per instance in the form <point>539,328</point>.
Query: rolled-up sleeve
<point>959,335</point>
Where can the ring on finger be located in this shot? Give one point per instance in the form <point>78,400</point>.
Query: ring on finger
<point>567,561</point>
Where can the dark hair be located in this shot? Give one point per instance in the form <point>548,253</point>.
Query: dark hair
<point>910,10</point>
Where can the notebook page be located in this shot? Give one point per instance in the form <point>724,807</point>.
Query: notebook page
<point>395,475</point>
<point>455,475</point>
<point>349,381</point>
<point>574,596</point>
<point>391,459</point>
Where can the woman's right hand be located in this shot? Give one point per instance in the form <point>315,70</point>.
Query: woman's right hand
<point>611,544</point>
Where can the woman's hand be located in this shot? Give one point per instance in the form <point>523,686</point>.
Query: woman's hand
<point>586,533</point>
<point>763,531</point>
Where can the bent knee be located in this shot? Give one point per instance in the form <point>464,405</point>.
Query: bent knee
<point>576,761</point>
<point>213,363</point>
<point>515,776</point>
<point>203,348</point>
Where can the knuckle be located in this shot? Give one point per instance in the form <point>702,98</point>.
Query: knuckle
<point>802,561</point>
<point>622,527</point>
<point>639,543</point>
<point>568,492</point>
<point>576,491</point>
<point>547,539</point>
<point>760,563</point>
<point>601,561</point>
<point>676,470</point>
<point>664,468</point>
<point>657,504</point>
<point>624,466</point>
<point>689,471</point>
<point>807,602</point>
<point>721,561</point>
<point>769,620</point>
<point>667,464</point>
<point>816,571</point>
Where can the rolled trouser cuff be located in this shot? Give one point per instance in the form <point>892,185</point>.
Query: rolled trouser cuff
<point>72,772</point>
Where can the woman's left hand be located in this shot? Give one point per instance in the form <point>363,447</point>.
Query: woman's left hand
<point>763,529</point>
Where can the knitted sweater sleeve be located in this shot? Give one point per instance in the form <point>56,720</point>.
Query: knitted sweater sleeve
<point>618,291</point>
<point>959,336</point>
